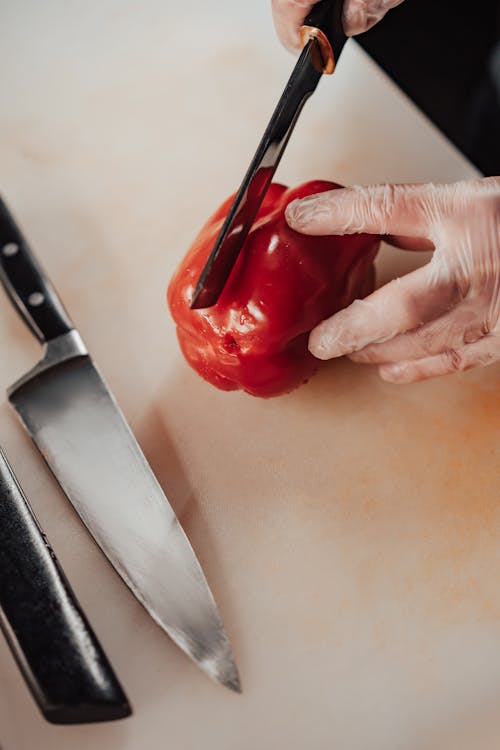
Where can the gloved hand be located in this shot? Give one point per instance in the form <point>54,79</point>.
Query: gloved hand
<point>443,317</point>
<point>358,16</point>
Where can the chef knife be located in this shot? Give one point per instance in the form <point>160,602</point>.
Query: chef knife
<point>75,422</point>
<point>324,40</point>
<point>57,652</point>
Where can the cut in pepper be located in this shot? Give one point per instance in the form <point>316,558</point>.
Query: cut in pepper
<point>282,285</point>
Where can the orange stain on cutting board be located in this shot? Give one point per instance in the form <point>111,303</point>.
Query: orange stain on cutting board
<point>397,501</point>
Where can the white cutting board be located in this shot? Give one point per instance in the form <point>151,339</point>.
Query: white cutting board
<point>350,531</point>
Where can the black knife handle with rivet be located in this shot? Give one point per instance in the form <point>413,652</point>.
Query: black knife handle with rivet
<point>26,284</point>
<point>47,631</point>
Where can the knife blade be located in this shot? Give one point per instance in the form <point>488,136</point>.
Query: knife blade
<point>75,422</point>
<point>324,40</point>
<point>58,654</point>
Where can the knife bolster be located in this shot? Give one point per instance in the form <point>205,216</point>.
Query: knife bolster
<point>68,346</point>
<point>322,58</point>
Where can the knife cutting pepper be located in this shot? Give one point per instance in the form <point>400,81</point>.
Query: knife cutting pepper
<point>282,285</point>
<point>323,39</point>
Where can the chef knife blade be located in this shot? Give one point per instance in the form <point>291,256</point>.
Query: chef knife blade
<point>57,652</point>
<point>75,422</point>
<point>325,40</point>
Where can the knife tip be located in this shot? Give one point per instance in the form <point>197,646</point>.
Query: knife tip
<point>223,667</point>
<point>228,674</point>
<point>233,682</point>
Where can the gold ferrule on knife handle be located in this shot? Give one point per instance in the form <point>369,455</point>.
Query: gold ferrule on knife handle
<point>324,59</point>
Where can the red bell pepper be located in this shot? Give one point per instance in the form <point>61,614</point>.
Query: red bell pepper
<point>282,285</point>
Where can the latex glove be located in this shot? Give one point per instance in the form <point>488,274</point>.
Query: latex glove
<point>443,317</point>
<point>358,16</point>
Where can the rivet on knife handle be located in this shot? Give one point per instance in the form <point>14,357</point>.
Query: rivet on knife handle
<point>27,285</point>
<point>47,631</point>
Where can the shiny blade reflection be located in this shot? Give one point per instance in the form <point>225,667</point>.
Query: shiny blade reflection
<point>83,436</point>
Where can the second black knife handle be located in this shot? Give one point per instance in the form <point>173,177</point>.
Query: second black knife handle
<point>57,651</point>
<point>29,289</point>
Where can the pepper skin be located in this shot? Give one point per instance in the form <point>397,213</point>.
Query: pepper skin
<point>282,285</point>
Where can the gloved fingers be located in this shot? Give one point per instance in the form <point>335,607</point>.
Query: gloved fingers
<point>418,244</point>
<point>376,209</point>
<point>479,354</point>
<point>399,306</point>
<point>451,331</point>
<point>361,15</point>
<point>288,17</point>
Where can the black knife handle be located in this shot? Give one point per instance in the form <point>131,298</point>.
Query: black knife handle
<point>26,284</point>
<point>47,631</point>
<point>326,15</point>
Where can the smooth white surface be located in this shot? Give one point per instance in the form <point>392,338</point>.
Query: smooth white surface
<point>350,531</point>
